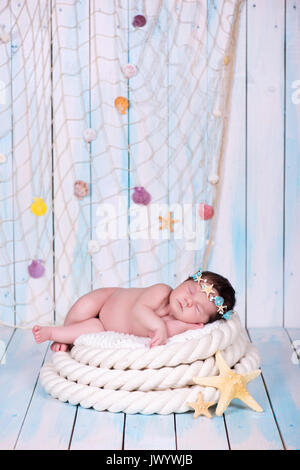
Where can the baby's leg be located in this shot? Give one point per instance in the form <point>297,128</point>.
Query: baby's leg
<point>66,334</point>
<point>85,308</point>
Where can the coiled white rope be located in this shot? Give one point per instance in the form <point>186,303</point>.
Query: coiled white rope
<point>106,380</point>
<point>146,379</point>
<point>200,346</point>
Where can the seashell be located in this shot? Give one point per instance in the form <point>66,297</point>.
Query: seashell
<point>81,189</point>
<point>36,269</point>
<point>121,104</point>
<point>89,134</point>
<point>213,179</point>
<point>129,70</point>
<point>2,158</point>
<point>38,207</point>
<point>139,21</point>
<point>93,247</point>
<point>141,196</point>
<point>205,211</point>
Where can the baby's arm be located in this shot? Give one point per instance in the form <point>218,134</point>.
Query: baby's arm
<point>146,317</point>
<point>175,327</point>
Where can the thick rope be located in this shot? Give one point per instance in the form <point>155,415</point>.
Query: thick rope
<point>161,402</point>
<point>147,379</point>
<point>117,377</point>
<point>171,355</point>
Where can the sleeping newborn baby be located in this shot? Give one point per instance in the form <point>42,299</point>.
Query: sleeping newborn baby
<point>157,311</point>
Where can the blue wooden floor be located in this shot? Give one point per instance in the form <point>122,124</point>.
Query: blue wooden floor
<point>30,419</point>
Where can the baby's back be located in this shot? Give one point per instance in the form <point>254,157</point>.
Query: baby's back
<point>117,312</point>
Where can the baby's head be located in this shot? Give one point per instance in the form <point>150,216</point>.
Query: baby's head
<point>190,303</point>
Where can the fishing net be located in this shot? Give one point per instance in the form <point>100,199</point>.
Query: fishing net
<point>113,130</point>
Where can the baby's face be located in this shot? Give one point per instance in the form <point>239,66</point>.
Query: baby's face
<point>189,304</point>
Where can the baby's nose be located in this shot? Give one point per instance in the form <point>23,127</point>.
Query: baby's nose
<point>188,302</point>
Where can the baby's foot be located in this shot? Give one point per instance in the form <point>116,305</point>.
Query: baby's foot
<point>55,347</point>
<point>42,333</point>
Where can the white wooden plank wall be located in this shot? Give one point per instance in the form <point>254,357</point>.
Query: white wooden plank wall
<point>31,157</point>
<point>255,242</point>
<point>7,291</point>
<point>71,156</point>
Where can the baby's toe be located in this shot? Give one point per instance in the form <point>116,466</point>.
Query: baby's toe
<point>36,330</point>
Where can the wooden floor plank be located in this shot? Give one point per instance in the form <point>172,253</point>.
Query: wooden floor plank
<point>149,432</point>
<point>97,430</point>
<point>49,422</point>
<point>31,419</point>
<point>201,433</point>
<point>249,430</point>
<point>17,381</point>
<point>282,380</point>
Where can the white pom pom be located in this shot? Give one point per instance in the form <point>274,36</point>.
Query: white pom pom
<point>129,70</point>
<point>89,135</point>
<point>213,179</point>
<point>93,247</point>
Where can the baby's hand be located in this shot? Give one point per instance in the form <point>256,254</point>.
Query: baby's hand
<point>158,337</point>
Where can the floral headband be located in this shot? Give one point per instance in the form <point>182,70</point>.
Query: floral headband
<point>217,299</point>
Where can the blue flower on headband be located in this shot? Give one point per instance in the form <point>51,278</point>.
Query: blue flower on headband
<point>227,315</point>
<point>219,301</point>
<point>197,276</point>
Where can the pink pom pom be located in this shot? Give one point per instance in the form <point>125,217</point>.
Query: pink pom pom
<point>141,196</point>
<point>139,21</point>
<point>205,211</point>
<point>36,269</point>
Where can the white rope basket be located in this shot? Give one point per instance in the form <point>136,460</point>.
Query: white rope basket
<point>118,372</point>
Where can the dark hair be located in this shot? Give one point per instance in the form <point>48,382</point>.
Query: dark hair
<point>224,288</point>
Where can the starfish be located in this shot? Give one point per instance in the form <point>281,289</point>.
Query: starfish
<point>198,277</point>
<point>167,222</point>
<point>201,407</point>
<point>221,308</point>
<point>231,385</point>
<point>207,288</point>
